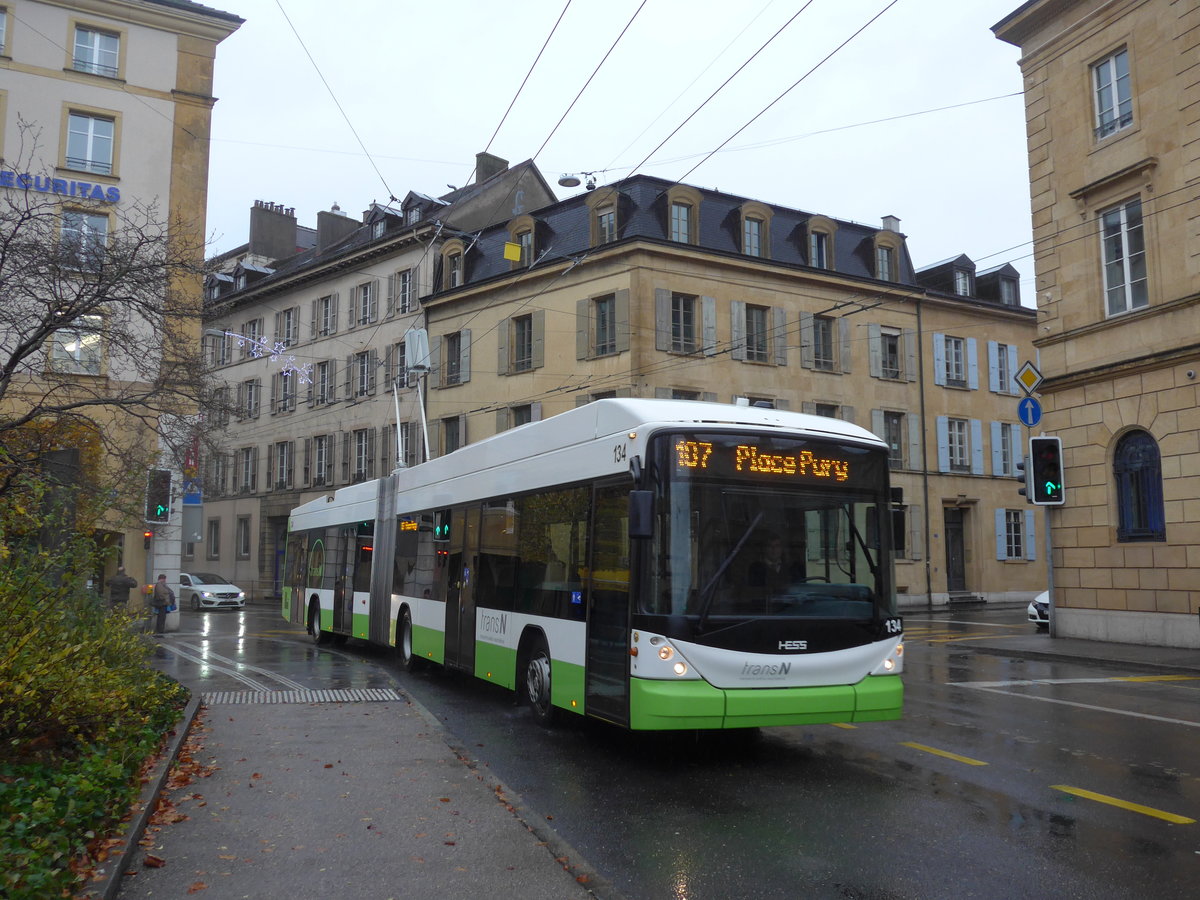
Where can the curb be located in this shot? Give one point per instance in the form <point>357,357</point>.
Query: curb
<point>1061,656</point>
<point>113,871</point>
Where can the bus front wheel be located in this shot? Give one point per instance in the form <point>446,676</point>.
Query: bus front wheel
<point>319,637</point>
<point>409,661</point>
<point>537,683</point>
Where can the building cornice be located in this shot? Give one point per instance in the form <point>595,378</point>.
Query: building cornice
<point>198,21</point>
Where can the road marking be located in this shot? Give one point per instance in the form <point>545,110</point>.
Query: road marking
<point>1119,712</point>
<point>907,620</point>
<point>969,637</point>
<point>1158,678</point>
<point>208,654</point>
<point>946,753</point>
<point>846,725</point>
<point>1124,804</point>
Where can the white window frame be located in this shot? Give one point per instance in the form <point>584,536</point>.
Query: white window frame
<point>681,222</point>
<point>752,234</point>
<point>758,333</point>
<point>958,444</point>
<point>606,224</point>
<point>93,49</point>
<point>1111,93</point>
<point>84,237</point>
<point>1123,258</point>
<point>684,336</point>
<point>89,149</point>
<point>78,348</point>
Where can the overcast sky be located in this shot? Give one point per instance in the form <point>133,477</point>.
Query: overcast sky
<point>425,85</point>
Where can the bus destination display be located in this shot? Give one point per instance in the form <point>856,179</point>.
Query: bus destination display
<point>755,460</point>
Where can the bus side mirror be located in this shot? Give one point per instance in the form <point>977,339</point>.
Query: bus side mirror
<point>641,514</point>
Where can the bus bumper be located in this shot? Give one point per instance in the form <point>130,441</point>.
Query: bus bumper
<point>673,705</point>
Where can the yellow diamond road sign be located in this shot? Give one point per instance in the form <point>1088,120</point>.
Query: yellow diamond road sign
<point>1028,377</point>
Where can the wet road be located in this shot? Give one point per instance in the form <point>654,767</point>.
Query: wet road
<point>1006,778</point>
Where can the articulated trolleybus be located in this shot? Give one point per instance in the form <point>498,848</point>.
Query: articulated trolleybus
<point>657,564</point>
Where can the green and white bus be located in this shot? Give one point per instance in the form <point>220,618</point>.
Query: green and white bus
<point>657,564</point>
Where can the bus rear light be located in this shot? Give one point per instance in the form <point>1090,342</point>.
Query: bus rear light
<point>633,651</point>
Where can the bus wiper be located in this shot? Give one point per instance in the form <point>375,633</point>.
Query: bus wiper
<point>709,590</point>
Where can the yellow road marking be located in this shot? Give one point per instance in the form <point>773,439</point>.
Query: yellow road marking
<point>843,725</point>
<point>982,637</point>
<point>1157,678</point>
<point>1124,804</point>
<point>946,753</point>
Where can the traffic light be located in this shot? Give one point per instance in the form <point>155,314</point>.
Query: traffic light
<point>1046,471</point>
<point>146,535</point>
<point>1023,477</point>
<point>158,496</point>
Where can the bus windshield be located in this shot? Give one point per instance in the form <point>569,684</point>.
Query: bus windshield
<point>769,527</point>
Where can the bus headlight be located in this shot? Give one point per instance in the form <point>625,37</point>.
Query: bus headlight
<point>681,668</point>
<point>667,652</point>
<point>893,663</point>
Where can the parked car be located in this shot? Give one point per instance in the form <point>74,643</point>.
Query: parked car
<point>205,590</point>
<point>1039,611</point>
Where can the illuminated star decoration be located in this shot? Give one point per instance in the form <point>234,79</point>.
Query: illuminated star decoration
<point>260,347</point>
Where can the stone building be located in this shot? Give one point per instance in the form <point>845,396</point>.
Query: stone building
<point>651,289</point>
<point>105,110</point>
<point>1111,99</point>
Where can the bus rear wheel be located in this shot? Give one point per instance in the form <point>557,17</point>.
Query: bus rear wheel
<point>409,661</point>
<point>537,683</point>
<point>319,637</point>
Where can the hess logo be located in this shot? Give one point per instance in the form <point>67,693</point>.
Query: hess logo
<point>793,645</point>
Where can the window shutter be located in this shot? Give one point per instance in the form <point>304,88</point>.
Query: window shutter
<point>372,437</point>
<point>312,322</point>
<point>1030,536</point>
<point>435,361</point>
<point>583,325</point>
<point>622,317</point>
<point>333,312</point>
<point>845,358</point>
<point>993,353</point>
<point>332,382</point>
<point>916,532</point>
<point>373,367</point>
<point>997,449</point>
<point>306,472</point>
<point>254,469</point>
<point>388,375</point>
<point>503,417</point>
<point>779,341</point>
<point>662,393</point>
<point>910,354</point>
<point>662,319</point>
<point>943,444</point>
<point>1018,453</point>
<point>782,404</point>
<point>374,310</point>
<point>503,335</point>
<point>348,378</point>
<point>1011,387</point>
<point>913,425</point>
<point>464,368</point>
<point>539,338</point>
<point>391,295</point>
<point>462,430</point>
<point>274,392</point>
<point>875,350</point>
<point>272,449</point>
<point>1001,537</point>
<point>939,359</point>
<point>708,319</point>
<point>848,414</point>
<point>809,407</point>
<point>976,447</point>
<point>737,329</point>
<point>877,424</point>
<point>807,337</point>
<point>346,457</point>
<point>535,411</point>
<point>972,365</point>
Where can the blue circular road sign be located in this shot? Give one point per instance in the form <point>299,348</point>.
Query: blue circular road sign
<point>1029,411</point>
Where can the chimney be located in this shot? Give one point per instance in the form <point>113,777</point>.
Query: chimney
<point>272,230</point>
<point>487,165</point>
<point>891,223</point>
<point>332,226</point>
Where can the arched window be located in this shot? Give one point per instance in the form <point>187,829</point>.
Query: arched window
<point>1138,474</point>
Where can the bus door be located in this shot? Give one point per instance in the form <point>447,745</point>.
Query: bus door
<point>343,580</point>
<point>607,681</point>
<point>297,568</point>
<point>460,590</point>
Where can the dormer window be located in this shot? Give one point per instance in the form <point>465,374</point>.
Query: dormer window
<point>604,225</point>
<point>683,212</point>
<point>962,282</point>
<point>756,229</point>
<point>412,215</point>
<point>378,229</point>
<point>821,231</point>
<point>452,264</point>
<point>239,281</point>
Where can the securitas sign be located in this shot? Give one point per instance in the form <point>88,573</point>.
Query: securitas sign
<point>80,190</point>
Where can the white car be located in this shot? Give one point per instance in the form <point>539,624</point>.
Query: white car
<point>204,590</point>
<point>1039,611</point>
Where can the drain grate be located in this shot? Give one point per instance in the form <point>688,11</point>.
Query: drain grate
<point>363,695</point>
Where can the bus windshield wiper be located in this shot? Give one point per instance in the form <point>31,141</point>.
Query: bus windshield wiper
<point>709,590</point>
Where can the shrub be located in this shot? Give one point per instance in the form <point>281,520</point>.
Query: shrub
<point>80,708</point>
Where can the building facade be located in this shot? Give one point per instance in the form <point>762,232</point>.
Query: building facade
<point>1114,152</point>
<point>646,288</point>
<point>308,330</point>
<point>105,108</point>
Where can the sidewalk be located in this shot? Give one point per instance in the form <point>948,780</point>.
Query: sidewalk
<point>360,798</point>
<point>1039,645</point>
